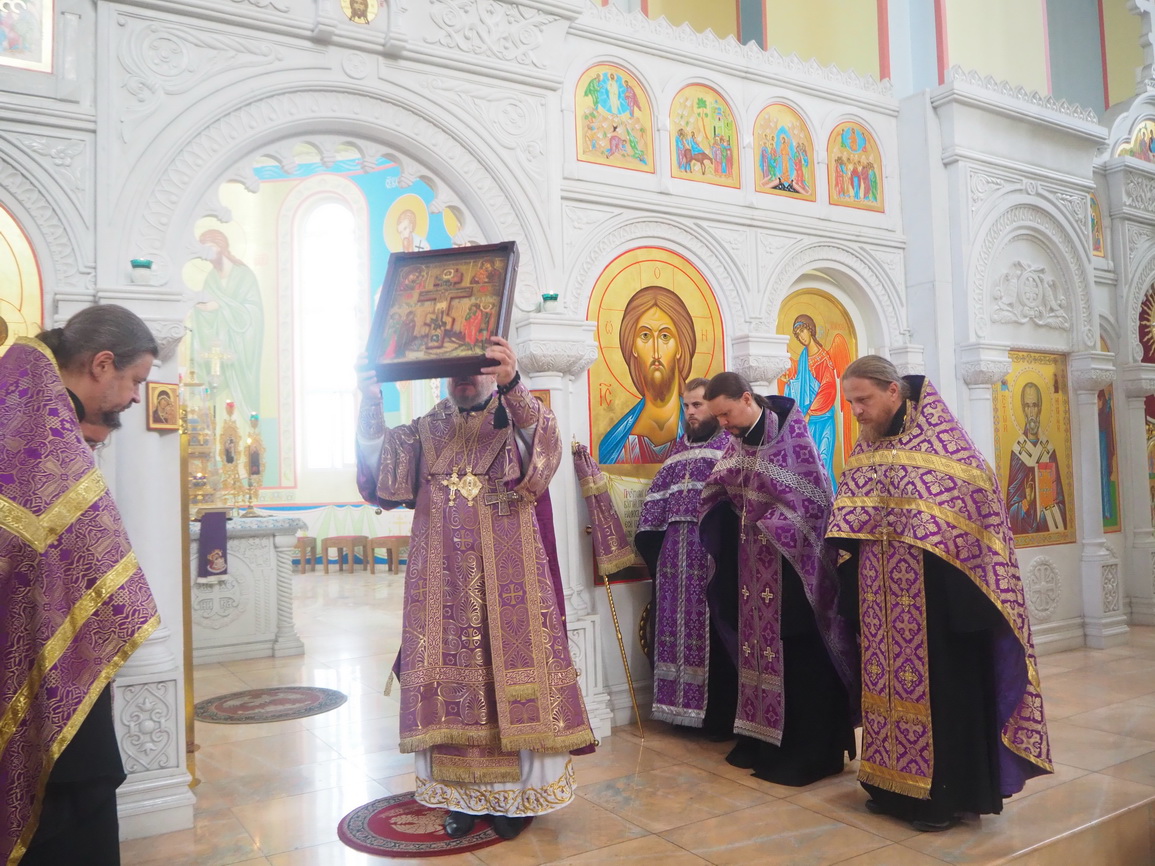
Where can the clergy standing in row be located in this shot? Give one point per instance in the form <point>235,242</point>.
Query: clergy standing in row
<point>695,683</point>
<point>952,713</point>
<point>796,659</point>
<point>490,701</point>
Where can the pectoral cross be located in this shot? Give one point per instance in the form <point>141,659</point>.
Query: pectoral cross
<point>502,500</point>
<point>468,485</point>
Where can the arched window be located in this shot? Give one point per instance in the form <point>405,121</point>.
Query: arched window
<point>330,293</point>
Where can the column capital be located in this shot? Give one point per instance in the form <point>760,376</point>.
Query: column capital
<point>549,343</point>
<point>983,364</point>
<point>1091,371</point>
<point>761,358</point>
<point>909,359</point>
<point>1138,380</point>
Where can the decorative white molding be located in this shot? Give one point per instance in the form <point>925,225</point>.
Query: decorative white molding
<point>983,373</point>
<point>15,183</point>
<point>148,717</point>
<point>983,186</point>
<point>1139,192</point>
<point>65,158</point>
<point>1137,380</point>
<point>487,28</point>
<point>1025,293</point>
<point>168,334</point>
<point>355,65</point>
<point>1112,602</point>
<point>165,59</point>
<point>275,5</point>
<point>908,358</point>
<point>554,344</point>
<point>1044,587</point>
<point>634,30</point>
<point>761,358</point>
<point>1020,94</point>
<point>287,641</point>
<point>1047,231</point>
<point>1091,372</point>
<point>1078,205</point>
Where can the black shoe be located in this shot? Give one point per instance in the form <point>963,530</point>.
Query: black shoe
<point>458,824</point>
<point>874,807</point>
<point>933,826</point>
<point>507,827</point>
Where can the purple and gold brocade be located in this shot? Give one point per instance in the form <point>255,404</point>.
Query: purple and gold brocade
<point>930,489</point>
<point>612,548</point>
<point>782,495</point>
<point>484,667</point>
<point>74,603</point>
<point>681,611</point>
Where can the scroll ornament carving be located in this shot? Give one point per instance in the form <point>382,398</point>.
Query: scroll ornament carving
<point>982,187</point>
<point>734,240</point>
<point>988,372</point>
<point>517,122</point>
<point>1139,193</point>
<point>276,5</point>
<point>64,156</point>
<point>168,335</point>
<point>1044,586</point>
<point>581,219</point>
<point>1025,294</point>
<point>148,713</point>
<point>1111,602</point>
<point>1023,216</point>
<point>552,356</point>
<point>166,60</point>
<point>1077,206</point>
<point>356,65</point>
<point>150,230</point>
<point>44,216</point>
<point>1136,237</point>
<point>221,603</point>
<point>1091,380</point>
<point>486,28</point>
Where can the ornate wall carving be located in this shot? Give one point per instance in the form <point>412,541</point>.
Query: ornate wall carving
<point>983,186</point>
<point>15,183</point>
<point>1010,91</point>
<point>66,159</point>
<point>552,356</point>
<point>1044,587</point>
<point>1026,293</point>
<point>1043,228</point>
<point>148,716</point>
<point>1139,193</point>
<point>984,373</point>
<point>486,28</point>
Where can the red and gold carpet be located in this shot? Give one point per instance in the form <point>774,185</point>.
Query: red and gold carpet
<point>275,704</point>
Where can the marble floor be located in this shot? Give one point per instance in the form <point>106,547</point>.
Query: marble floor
<point>273,794</point>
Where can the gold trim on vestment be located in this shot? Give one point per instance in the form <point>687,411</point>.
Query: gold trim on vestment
<point>546,743</point>
<point>33,343</point>
<point>39,532</point>
<point>923,460</point>
<point>894,780</point>
<point>611,562</point>
<point>56,645</point>
<point>515,802</point>
<point>591,486</point>
<point>69,731</point>
<point>908,502</point>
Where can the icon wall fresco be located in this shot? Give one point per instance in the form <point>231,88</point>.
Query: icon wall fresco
<point>1097,245</point>
<point>1033,449</point>
<point>854,167</point>
<point>1108,456</point>
<point>1141,143</point>
<point>823,341</point>
<point>615,125</point>
<point>21,292</point>
<point>783,153</point>
<point>26,34</point>
<point>704,144</point>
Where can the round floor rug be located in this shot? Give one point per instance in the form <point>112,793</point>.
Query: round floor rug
<point>399,826</point>
<point>275,704</point>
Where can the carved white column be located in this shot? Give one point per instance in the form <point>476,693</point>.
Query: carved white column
<point>553,352</point>
<point>1137,382</point>
<point>909,358</point>
<point>981,365</point>
<point>1104,621</point>
<point>761,358</point>
<point>287,641</point>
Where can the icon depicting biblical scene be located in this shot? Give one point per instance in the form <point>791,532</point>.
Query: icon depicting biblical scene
<point>438,308</point>
<point>783,153</point>
<point>822,343</point>
<point>658,326</point>
<point>1141,143</point>
<point>1033,447</point>
<point>1108,455</point>
<point>615,125</point>
<point>26,34</point>
<point>1097,247</point>
<point>21,296</point>
<point>703,138</point>
<point>360,11</point>
<point>854,168</point>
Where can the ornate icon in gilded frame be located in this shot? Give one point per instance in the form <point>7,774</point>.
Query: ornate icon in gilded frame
<point>783,153</point>
<point>21,294</point>
<point>26,34</point>
<point>1141,143</point>
<point>658,326</point>
<point>704,141</point>
<point>1097,248</point>
<point>1033,449</point>
<point>823,342</point>
<point>1108,456</point>
<point>854,167</point>
<point>615,124</point>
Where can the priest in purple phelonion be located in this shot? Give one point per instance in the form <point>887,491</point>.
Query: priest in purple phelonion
<point>952,712</point>
<point>769,499</point>
<point>490,701</point>
<point>695,683</point>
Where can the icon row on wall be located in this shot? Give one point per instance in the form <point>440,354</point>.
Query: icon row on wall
<point>615,127</point>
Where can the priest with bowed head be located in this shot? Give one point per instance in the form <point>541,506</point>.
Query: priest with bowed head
<point>952,713</point>
<point>74,603</point>
<point>490,701</point>
<point>695,683</point>
<point>768,497</point>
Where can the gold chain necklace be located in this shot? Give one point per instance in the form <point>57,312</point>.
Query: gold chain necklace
<point>468,485</point>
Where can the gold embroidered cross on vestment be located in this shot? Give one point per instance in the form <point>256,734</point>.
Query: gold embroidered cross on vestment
<point>502,500</point>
